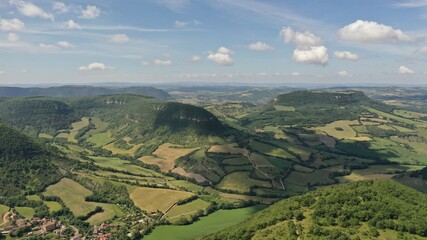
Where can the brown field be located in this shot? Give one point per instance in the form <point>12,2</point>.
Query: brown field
<point>153,199</point>
<point>199,178</point>
<point>165,156</point>
<point>259,160</point>
<point>228,148</point>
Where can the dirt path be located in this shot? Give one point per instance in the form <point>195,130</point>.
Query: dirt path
<point>5,219</point>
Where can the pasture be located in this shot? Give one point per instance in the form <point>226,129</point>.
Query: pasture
<point>241,182</point>
<point>317,177</point>
<point>153,199</point>
<point>53,206</point>
<point>270,150</point>
<point>73,195</point>
<point>186,210</point>
<point>206,225</point>
<point>101,139</point>
<point>123,165</point>
<point>25,212</point>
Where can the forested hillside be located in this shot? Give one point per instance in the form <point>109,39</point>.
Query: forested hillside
<point>25,165</point>
<point>360,210</point>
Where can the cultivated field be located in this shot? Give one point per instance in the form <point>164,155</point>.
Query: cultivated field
<point>26,212</point>
<point>228,148</point>
<point>153,199</point>
<point>165,156</point>
<point>267,149</point>
<point>240,181</point>
<point>123,165</point>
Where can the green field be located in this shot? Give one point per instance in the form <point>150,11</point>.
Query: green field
<point>186,185</point>
<point>270,150</point>
<point>317,177</point>
<point>33,197</point>
<point>26,212</point>
<point>123,165</point>
<point>282,108</point>
<point>73,195</point>
<point>186,210</point>
<point>241,182</point>
<point>209,224</point>
<point>101,139</point>
<point>53,206</point>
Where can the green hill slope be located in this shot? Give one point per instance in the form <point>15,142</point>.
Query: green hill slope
<point>25,165</point>
<point>313,107</point>
<point>361,210</point>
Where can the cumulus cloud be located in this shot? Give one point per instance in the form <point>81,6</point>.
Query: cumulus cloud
<point>65,44</point>
<point>60,7</point>
<point>11,25</point>
<point>222,57</point>
<point>31,10</point>
<point>344,73</point>
<point>309,48</point>
<point>260,46</point>
<point>311,55</point>
<point>13,37</point>
<point>195,58</point>
<point>93,66</point>
<point>183,24</point>
<point>90,12</point>
<point>346,55</point>
<point>300,39</point>
<point>73,25</point>
<point>119,38</point>
<point>159,62</point>
<point>405,70</point>
<point>368,31</point>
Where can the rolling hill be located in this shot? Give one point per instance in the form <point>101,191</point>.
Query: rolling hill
<point>26,165</point>
<point>82,91</point>
<point>362,210</point>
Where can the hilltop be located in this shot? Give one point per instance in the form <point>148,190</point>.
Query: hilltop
<point>26,165</point>
<point>82,91</point>
<point>361,210</point>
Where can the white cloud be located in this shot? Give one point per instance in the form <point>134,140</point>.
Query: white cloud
<point>346,55</point>
<point>411,4</point>
<point>174,5</point>
<point>309,48</point>
<point>422,50</point>
<point>60,7</point>
<point>222,57</point>
<point>90,12</point>
<point>119,38</point>
<point>405,70</point>
<point>31,10</point>
<point>73,25</point>
<point>145,63</point>
<point>65,44</point>
<point>366,31</point>
<point>260,46</point>
<point>93,66</point>
<point>46,46</point>
<point>311,55</point>
<point>195,58</point>
<point>300,39</point>
<point>13,37</point>
<point>2,72</point>
<point>11,25</point>
<point>344,73</point>
<point>159,62</point>
<point>182,24</point>
<point>296,74</point>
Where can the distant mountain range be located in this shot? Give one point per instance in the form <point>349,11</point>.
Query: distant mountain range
<point>82,91</point>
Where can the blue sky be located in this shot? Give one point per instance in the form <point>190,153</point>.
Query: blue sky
<point>250,41</point>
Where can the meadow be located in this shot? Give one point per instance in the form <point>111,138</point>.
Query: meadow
<point>153,199</point>
<point>241,182</point>
<point>209,224</point>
